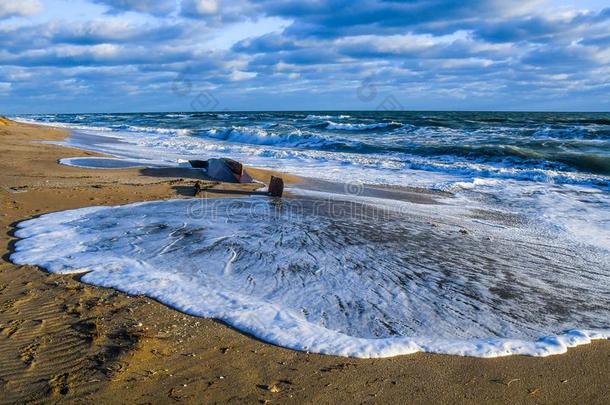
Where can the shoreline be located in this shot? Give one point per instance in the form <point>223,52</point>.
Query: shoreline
<point>125,341</point>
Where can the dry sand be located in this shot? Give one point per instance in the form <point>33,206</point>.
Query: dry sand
<point>67,342</point>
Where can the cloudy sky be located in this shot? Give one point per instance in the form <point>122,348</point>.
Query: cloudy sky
<point>179,55</point>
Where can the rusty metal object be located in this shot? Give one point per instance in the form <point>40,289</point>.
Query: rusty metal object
<point>276,187</point>
<point>236,167</point>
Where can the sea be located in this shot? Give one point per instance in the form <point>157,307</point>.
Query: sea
<point>509,253</point>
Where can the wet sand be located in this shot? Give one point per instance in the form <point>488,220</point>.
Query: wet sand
<point>64,341</point>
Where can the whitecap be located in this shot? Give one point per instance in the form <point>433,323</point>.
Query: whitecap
<point>326,117</point>
<point>159,130</point>
<point>262,136</point>
<point>360,126</point>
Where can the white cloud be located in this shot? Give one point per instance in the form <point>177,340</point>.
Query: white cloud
<point>10,8</point>
<point>239,75</point>
<point>200,7</point>
<point>5,87</point>
<point>206,6</point>
<point>433,47</point>
<point>220,12</point>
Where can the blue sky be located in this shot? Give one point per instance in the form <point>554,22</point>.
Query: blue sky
<point>179,55</point>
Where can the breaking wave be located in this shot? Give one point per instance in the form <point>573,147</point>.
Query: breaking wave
<point>261,136</point>
<point>157,130</point>
<point>361,126</point>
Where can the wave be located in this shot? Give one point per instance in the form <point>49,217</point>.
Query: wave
<point>285,137</point>
<point>63,125</point>
<point>327,117</point>
<point>374,163</point>
<point>529,155</point>
<point>390,301</point>
<point>531,174</point>
<point>261,136</point>
<point>584,121</point>
<point>467,185</point>
<point>383,167</point>
<point>157,130</point>
<point>360,126</point>
<point>537,157</point>
<point>102,128</point>
<point>579,133</point>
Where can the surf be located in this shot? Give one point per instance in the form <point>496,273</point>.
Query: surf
<point>315,275</point>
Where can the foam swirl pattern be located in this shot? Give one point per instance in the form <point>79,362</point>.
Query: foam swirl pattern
<point>339,277</point>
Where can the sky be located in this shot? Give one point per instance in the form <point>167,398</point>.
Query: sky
<point>213,55</point>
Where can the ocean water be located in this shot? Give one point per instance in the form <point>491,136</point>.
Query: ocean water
<point>514,257</point>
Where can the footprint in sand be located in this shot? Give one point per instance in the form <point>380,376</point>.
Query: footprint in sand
<point>58,385</point>
<point>28,354</point>
<point>12,327</point>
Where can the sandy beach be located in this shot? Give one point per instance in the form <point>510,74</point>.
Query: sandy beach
<point>62,341</point>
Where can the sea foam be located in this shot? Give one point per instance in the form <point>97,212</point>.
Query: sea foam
<point>361,126</point>
<point>337,277</point>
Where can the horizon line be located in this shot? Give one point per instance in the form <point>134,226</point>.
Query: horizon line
<point>314,110</point>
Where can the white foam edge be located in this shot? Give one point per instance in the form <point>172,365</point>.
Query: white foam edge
<point>70,162</point>
<point>264,320</point>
